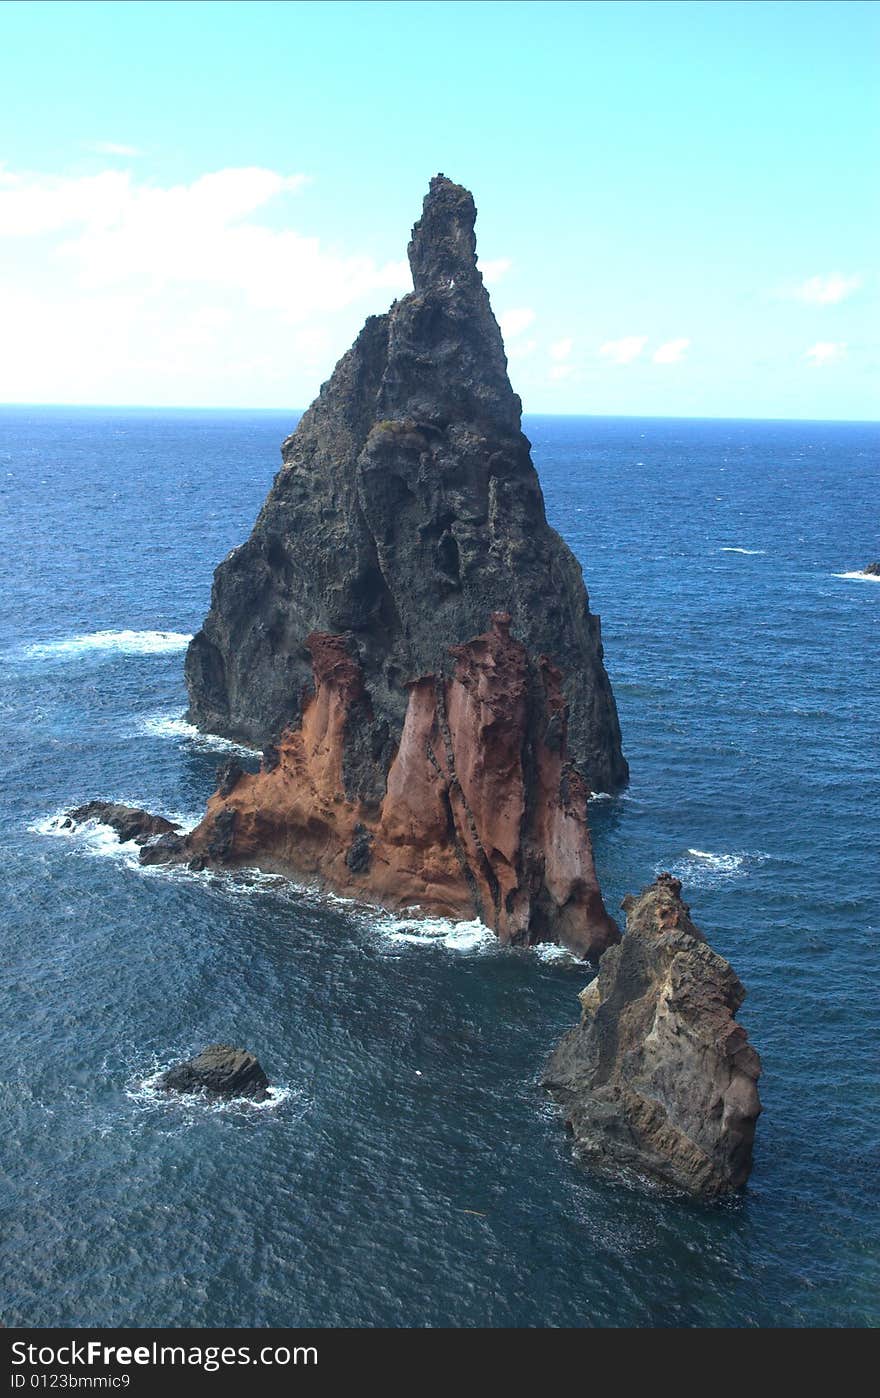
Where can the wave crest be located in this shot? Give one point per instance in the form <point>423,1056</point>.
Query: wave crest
<point>174,725</point>
<point>110,643</point>
<point>701,868</point>
<point>415,930</point>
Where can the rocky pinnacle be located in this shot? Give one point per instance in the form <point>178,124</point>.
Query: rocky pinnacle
<point>406,511</point>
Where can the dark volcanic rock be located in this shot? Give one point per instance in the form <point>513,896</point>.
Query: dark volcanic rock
<point>221,1071</point>
<point>658,1076</point>
<point>359,853</point>
<point>129,822</point>
<point>271,757</point>
<point>168,849</point>
<point>220,839</point>
<point>872,569</point>
<point>228,774</point>
<point>406,511</point>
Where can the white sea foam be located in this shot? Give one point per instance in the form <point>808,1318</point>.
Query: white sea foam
<point>471,936</point>
<point>750,552</point>
<point>174,725</point>
<point>724,863</point>
<point>700,868</point>
<point>111,643</point>
<point>858,577</point>
<point>91,837</point>
<point>554,955</point>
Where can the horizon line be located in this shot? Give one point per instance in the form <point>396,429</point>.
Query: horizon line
<point>533,412</point>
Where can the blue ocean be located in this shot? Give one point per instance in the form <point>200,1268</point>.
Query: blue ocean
<point>408,1171</point>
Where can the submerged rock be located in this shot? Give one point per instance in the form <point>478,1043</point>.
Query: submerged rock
<point>221,1071</point>
<point>129,822</point>
<point>658,1076</point>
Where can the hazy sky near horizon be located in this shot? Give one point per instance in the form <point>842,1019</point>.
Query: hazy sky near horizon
<point>200,203</point>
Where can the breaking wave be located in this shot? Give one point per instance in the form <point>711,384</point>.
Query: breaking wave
<point>750,552</point>
<point>111,643</point>
<point>174,725</point>
<point>417,931</point>
<point>700,868</point>
<point>858,577</point>
<point>554,955</point>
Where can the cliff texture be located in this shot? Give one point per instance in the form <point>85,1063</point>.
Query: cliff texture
<point>406,511</point>
<point>482,815</point>
<point>413,757</point>
<point>658,1076</point>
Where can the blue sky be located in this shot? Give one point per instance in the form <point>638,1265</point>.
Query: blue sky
<point>678,202</point>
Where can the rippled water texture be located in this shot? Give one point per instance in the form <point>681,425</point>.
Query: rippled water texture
<point>407,1170</point>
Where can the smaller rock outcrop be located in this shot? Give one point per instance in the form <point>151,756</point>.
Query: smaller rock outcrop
<point>221,1071</point>
<point>872,570</point>
<point>129,822</point>
<point>658,1077</point>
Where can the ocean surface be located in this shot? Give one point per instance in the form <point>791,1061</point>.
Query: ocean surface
<point>408,1170</point>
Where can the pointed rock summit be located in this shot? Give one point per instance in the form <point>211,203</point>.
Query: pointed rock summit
<point>408,638</point>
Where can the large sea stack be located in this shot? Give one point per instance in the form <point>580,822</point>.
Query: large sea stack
<point>409,640</point>
<point>658,1077</point>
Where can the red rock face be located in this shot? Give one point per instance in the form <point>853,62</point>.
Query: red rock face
<point>482,815</point>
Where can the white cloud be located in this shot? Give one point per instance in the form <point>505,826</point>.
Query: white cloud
<point>825,291</point>
<point>114,202</point>
<point>113,148</point>
<point>494,269</point>
<point>514,322</point>
<point>203,326</point>
<point>117,289</point>
<point>121,233</point>
<point>625,350</point>
<point>824,351</point>
<point>672,352</point>
<point>560,371</point>
<point>521,349</point>
<point>561,349</point>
